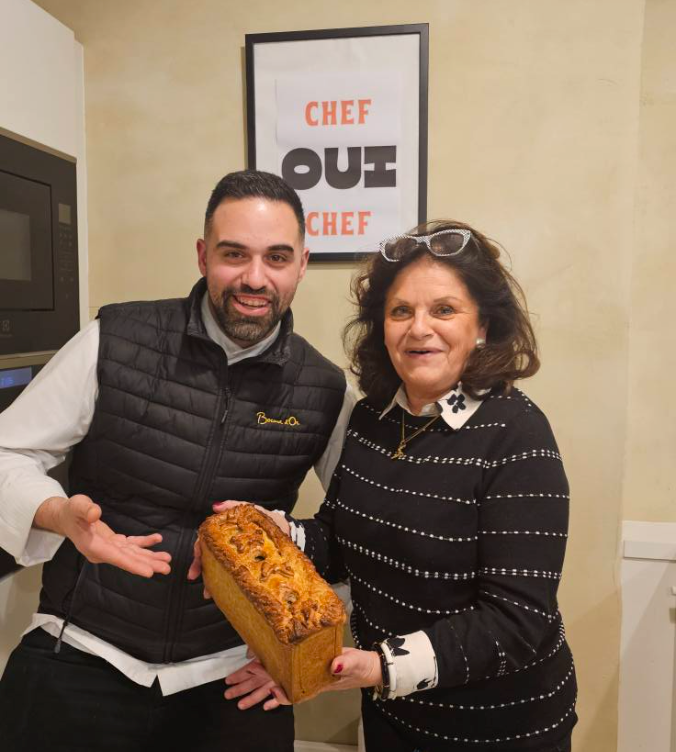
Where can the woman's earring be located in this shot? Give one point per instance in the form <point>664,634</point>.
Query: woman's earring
<point>480,343</point>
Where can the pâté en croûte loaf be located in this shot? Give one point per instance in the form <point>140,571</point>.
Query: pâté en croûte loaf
<point>273,596</point>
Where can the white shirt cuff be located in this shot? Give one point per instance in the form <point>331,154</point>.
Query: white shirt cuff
<point>297,533</point>
<point>411,663</point>
<point>40,547</point>
<point>29,546</point>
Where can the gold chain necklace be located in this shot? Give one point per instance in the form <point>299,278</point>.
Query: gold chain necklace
<point>399,454</point>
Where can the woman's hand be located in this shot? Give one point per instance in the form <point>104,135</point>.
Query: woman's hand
<point>352,669</point>
<point>79,519</point>
<point>355,668</point>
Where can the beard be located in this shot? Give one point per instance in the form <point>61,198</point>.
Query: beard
<point>243,329</point>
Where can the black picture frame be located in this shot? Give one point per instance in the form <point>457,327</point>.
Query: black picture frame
<point>413,210</point>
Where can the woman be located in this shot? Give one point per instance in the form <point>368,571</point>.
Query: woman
<point>448,511</point>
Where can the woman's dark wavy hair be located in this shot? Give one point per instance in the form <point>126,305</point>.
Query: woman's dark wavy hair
<point>510,352</point>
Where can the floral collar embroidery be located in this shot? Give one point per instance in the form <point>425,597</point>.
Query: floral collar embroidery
<point>455,407</point>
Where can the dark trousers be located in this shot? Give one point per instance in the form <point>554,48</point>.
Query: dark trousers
<point>76,702</point>
<point>380,735</point>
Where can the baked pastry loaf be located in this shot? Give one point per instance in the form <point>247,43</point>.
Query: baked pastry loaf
<point>272,595</point>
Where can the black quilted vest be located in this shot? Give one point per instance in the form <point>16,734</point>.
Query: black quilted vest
<point>175,429</point>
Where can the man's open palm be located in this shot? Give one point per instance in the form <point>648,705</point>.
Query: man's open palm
<point>80,520</point>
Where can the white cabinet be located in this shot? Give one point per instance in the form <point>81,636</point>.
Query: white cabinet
<point>647,705</point>
<point>42,98</point>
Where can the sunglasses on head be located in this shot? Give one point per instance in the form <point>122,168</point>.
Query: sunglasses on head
<point>442,243</point>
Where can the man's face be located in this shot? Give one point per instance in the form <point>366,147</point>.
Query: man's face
<point>253,260</point>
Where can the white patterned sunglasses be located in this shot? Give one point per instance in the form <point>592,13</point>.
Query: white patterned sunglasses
<point>442,243</point>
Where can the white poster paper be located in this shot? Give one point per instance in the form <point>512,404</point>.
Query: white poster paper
<point>338,141</point>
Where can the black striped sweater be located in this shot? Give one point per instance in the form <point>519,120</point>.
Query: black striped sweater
<point>465,540</point>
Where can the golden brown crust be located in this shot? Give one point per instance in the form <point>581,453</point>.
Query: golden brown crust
<point>278,579</point>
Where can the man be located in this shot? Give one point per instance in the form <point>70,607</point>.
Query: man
<point>171,406</point>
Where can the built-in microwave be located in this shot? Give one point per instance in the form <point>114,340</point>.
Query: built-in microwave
<point>39,298</point>
<point>39,285</point>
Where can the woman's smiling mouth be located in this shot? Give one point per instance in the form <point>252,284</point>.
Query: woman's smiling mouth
<point>418,352</point>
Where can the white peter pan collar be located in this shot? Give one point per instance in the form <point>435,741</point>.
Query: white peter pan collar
<point>455,407</point>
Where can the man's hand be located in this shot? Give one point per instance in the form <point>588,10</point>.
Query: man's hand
<point>196,566</point>
<point>254,681</point>
<point>79,519</point>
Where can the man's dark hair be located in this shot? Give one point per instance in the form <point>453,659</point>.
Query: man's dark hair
<point>254,184</point>
<point>510,351</point>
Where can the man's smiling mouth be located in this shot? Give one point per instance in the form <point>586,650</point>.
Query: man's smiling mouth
<point>252,303</point>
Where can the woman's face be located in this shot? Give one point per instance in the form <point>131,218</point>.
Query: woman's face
<point>431,327</point>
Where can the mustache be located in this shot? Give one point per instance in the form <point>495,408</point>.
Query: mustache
<point>246,290</point>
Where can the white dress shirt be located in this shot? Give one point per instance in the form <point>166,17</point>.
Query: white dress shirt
<point>38,429</point>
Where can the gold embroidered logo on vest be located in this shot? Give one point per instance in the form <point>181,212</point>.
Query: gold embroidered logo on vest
<point>290,421</point>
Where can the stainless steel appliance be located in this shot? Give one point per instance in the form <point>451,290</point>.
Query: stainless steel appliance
<point>39,298</point>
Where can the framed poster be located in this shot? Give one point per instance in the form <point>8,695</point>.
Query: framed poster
<point>341,115</point>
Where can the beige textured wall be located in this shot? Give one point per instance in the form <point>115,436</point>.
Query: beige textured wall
<point>649,491</point>
<point>534,120</point>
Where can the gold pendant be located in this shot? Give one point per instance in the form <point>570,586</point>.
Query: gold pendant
<point>399,454</point>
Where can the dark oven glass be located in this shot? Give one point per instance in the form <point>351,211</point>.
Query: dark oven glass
<point>26,258</point>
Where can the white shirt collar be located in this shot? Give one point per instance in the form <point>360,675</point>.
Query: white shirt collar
<point>455,407</point>
<point>234,352</point>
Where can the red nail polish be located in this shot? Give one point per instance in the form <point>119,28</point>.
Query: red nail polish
<point>338,668</point>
